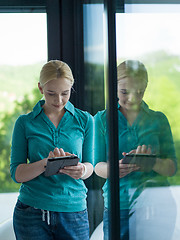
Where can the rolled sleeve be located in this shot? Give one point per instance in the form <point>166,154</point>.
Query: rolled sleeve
<point>88,144</point>
<point>100,138</point>
<point>167,149</point>
<point>18,147</point>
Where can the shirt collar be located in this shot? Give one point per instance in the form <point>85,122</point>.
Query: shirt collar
<point>38,108</point>
<point>144,107</point>
<point>70,107</point>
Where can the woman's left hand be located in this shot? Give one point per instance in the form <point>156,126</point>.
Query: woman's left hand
<point>144,166</point>
<point>125,169</point>
<point>75,172</point>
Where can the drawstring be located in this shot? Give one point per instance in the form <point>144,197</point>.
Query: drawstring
<point>43,215</point>
<point>48,217</point>
<point>44,212</point>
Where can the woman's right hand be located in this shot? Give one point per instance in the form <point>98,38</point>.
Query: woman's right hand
<point>141,150</point>
<point>26,172</point>
<point>58,152</point>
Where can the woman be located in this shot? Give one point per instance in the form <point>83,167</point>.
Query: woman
<point>140,131</point>
<point>52,207</point>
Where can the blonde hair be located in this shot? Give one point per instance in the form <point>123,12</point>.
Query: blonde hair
<point>55,69</point>
<point>132,69</point>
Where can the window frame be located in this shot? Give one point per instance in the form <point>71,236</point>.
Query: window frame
<point>67,45</point>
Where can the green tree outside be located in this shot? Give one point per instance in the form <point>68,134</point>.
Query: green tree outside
<point>162,94</point>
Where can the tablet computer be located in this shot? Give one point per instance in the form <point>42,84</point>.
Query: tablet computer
<point>55,164</point>
<point>144,161</point>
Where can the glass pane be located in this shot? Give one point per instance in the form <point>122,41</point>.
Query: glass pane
<point>94,57</point>
<point>94,100</point>
<point>23,47</point>
<point>150,116</point>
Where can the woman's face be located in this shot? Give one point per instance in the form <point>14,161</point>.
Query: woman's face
<point>130,93</point>
<point>56,93</point>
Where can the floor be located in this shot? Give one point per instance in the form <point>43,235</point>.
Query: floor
<point>159,196</point>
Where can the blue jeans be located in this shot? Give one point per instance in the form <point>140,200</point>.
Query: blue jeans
<point>124,224</point>
<point>35,224</point>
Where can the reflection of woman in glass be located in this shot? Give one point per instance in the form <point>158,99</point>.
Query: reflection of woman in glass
<point>141,131</point>
<point>52,207</point>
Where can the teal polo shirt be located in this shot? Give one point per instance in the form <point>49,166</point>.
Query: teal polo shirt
<point>33,138</point>
<point>150,128</point>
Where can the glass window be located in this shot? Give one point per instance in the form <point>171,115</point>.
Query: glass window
<point>94,92</point>
<point>93,56</point>
<point>23,47</point>
<point>148,33</point>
